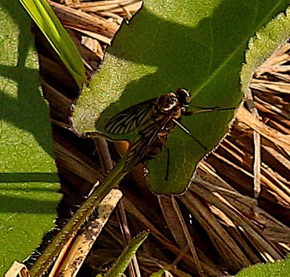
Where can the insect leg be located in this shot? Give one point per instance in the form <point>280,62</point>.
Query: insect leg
<point>162,143</point>
<point>168,163</point>
<point>184,129</point>
<point>204,110</point>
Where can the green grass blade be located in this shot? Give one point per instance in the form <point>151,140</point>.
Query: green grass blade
<point>46,20</point>
<point>124,259</point>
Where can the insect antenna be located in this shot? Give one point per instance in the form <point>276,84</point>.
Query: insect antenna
<point>185,130</point>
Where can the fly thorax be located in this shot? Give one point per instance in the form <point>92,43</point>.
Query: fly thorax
<point>177,113</point>
<point>167,102</point>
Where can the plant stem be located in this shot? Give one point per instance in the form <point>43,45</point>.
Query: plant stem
<point>77,221</point>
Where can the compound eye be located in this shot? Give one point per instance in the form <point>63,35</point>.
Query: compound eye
<point>184,96</point>
<point>187,99</point>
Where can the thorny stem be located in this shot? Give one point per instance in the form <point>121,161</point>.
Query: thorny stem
<point>77,220</point>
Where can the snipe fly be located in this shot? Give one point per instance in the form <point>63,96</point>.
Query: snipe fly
<point>155,119</point>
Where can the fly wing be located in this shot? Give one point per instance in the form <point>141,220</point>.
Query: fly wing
<point>141,145</point>
<point>129,119</point>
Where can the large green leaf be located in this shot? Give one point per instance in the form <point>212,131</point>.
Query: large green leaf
<point>28,178</point>
<point>277,269</point>
<point>197,45</point>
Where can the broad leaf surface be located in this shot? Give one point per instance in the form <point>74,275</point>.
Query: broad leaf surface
<point>197,45</point>
<point>278,269</point>
<point>28,178</point>
<point>264,44</point>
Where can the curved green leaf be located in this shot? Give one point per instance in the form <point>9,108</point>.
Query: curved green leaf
<point>195,45</point>
<point>263,44</point>
<point>123,261</point>
<point>28,175</point>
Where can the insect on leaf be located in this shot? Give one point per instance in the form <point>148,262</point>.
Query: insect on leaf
<point>185,44</point>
